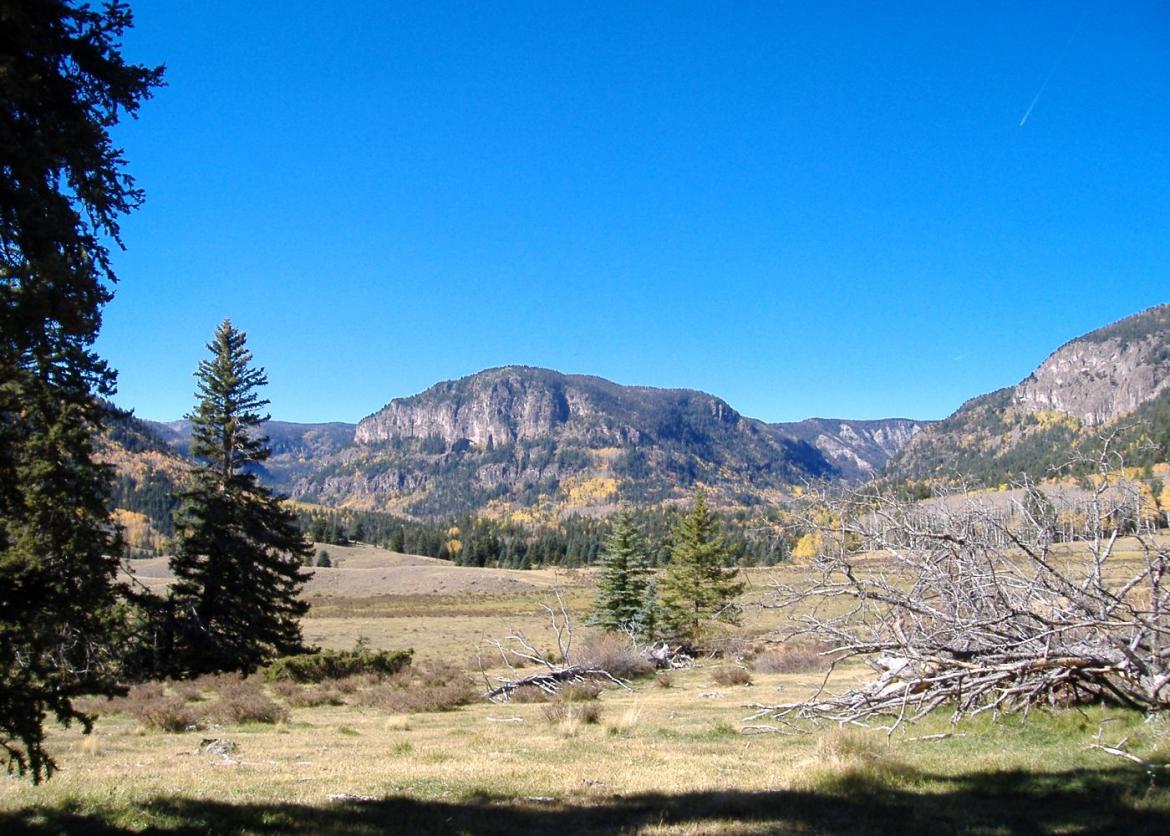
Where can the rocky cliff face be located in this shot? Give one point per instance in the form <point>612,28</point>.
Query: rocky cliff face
<point>1095,381</point>
<point>503,406</point>
<point>519,436</point>
<point>858,449</point>
<point>1089,385</point>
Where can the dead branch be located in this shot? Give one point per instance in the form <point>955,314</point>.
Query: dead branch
<point>995,602</point>
<point>550,681</point>
<point>557,672</point>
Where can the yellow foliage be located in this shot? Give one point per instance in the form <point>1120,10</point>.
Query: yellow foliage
<point>593,491</point>
<point>453,531</point>
<point>1048,418</point>
<point>454,547</point>
<point>807,547</point>
<point>137,530</point>
<point>604,455</point>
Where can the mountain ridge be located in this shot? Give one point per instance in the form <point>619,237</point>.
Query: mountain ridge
<point>1092,384</point>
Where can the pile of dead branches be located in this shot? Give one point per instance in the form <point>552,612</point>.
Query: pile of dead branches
<point>980,602</point>
<point>556,669</point>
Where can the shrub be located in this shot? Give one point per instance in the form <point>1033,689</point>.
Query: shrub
<point>588,713</point>
<point>151,705</point>
<point>566,712</point>
<point>530,693</point>
<point>579,691</point>
<point>187,690</point>
<point>731,676</point>
<point>286,689</point>
<point>337,664</point>
<point>245,702</point>
<point>169,714</point>
<point>307,696</point>
<point>418,700</point>
<point>216,681</point>
<point>428,687</point>
<point>794,657</point>
<point>555,712</point>
<point>615,655</point>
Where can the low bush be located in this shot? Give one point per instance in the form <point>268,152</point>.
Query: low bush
<point>579,691</point>
<point>428,687</point>
<point>793,657</point>
<point>187,690</point>
<point>418,700</point>
<point>307,696</point>
<point>151,705</point>
<point>588,713</point>
<point>337,664</point>
<point>246,702</point>
<point>613,654</point>
<point>731,676</point>
<point>530,693</point>
<point>167,713</point>
<point>556,712</point>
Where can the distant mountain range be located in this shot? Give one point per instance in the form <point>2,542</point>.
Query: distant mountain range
<point>522,440</point>
<point>516,437</point>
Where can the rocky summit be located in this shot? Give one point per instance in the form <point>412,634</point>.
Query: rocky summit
<point>1112,381</point>
<point>517,437</point>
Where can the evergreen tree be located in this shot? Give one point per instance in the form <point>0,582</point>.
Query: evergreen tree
<point>63,189</point>
<point>624,578</point>
<point>696,588</point>
<point>238,565</point>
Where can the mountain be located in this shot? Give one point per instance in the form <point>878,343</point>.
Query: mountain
<point>517,437</point>
<point>1114,379</point>
<point>296,448</point>
<point>148,473</point>
<point>856,449</point>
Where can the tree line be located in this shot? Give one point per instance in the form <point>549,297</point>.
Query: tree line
<point>753,538</point>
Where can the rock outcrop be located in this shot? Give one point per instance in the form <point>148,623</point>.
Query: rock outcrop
<point>1094,384</point>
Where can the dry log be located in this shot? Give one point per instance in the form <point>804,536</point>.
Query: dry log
<point>550,681</point>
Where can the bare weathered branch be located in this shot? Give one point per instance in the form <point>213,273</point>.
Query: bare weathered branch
<point>993,601</point>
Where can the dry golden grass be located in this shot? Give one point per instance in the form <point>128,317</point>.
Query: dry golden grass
<point>653,760</point>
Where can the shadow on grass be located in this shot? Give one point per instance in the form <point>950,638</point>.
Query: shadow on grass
<point>1096,801</point>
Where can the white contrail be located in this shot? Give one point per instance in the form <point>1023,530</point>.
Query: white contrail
<point>1053,68</point>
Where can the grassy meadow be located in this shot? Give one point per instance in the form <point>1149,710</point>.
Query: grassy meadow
<point>667,756</point>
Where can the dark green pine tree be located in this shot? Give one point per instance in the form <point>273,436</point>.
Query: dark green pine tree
<point>238,564</point>
<point>624,579</point>
<point>697,589</point>
<point>63,189</point>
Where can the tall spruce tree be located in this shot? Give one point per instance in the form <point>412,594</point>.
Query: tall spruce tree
<point>697,589</point>
<point>623,584</point>
<point>238,563</point>
<point>63,189</point>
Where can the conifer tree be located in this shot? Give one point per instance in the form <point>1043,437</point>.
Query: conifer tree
<point>238,564</point>
<point>623,583</point>
<point>696,588</point>
<point>63,189</point>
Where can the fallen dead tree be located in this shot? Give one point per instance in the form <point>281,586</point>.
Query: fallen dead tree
<point>558,670</point>
<point>551,680</point>
<point>975,604</point>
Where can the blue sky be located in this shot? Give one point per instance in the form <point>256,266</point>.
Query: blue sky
<point>825,209</point>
